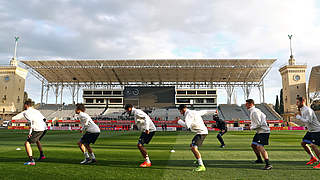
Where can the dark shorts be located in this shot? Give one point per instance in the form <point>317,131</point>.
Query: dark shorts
<point>145,138</point>
<point>198,139</point>
<point>315,138</point>
<point>89,138</point>
<point>36,136</point>
<point>307,138</point>
<point>261,139</point>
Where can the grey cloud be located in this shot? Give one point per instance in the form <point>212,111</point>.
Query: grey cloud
<point>158,29</point>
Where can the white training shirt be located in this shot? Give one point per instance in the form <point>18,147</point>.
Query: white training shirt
<point>258,121</point>
<point>194,121</point>
<point>309,118</point>
<point>142,120</point>
<point>87,123</point>
<point>36,120</point>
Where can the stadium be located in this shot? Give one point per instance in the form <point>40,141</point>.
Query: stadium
<point>184,89</point>
<point>158,87</point>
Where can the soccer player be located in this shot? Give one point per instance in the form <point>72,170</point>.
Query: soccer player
<point>221,125</point>
<point>261,138</point>
<point>92,132</point>
<point>194,122</point>
<point>145,124</point>
<point>38,129</point>
<point>312,137</point>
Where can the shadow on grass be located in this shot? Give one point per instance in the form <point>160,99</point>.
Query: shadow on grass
<point>173,164</point>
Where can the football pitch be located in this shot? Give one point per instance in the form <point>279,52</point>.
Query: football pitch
<point>119,158</point>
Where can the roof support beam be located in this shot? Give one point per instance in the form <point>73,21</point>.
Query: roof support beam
<point>116,75</point>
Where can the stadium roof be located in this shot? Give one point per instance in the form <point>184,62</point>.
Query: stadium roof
<point>162,71</point>
<point>314,80</point>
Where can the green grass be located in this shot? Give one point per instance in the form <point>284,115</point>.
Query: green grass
<point>118,157</point>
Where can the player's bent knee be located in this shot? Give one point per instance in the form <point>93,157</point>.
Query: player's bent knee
<point>193,147</point>
<point>87,145</point>
<point>139,145</point>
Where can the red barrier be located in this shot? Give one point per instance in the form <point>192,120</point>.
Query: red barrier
<point>68,121</point>
<point>297,128</point>
<point>19,121</point>
<point>278,128</point>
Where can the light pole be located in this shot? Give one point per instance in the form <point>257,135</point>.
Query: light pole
<point>15,47</point>
<point>290,37</point>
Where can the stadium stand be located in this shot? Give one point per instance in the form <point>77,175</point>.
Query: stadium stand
<point>63,112</point>
<point>225,112</point>
<point>208,116</point>
<point>95,111</point>
<point>113,113</point>
<point>232,112</point>
<point>170,73</point>
<point>269,112</point>
<point>235,112</point>
<point>160,113</point>
<point>220,115</point>
<point>48,109</point>
<point>167,114</point>
<point>173,113</point>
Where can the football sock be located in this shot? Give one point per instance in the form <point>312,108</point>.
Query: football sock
<point>31,158</point>
<point>148,159</point>
<point>259,158</point>
<point>200,162</point>
<point>41,154</point>
<point>93,156</point>
<point>86,155</point>
<point>267,162</point>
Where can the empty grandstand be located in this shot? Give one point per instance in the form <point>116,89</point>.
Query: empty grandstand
<point>235,112</point>
<point>232,112</point>
<point>48,109</point>
<point>180,73</point>
<point>157,86</point>
<point>63,117</point>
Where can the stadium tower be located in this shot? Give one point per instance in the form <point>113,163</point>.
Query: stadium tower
<point>12,79</point>
<point>293,84</point>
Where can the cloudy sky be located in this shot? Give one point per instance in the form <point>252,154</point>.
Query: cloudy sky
<point>113,29</point>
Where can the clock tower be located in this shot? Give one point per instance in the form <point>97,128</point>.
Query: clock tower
<point>12,83</point>
<point>293,83</point>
